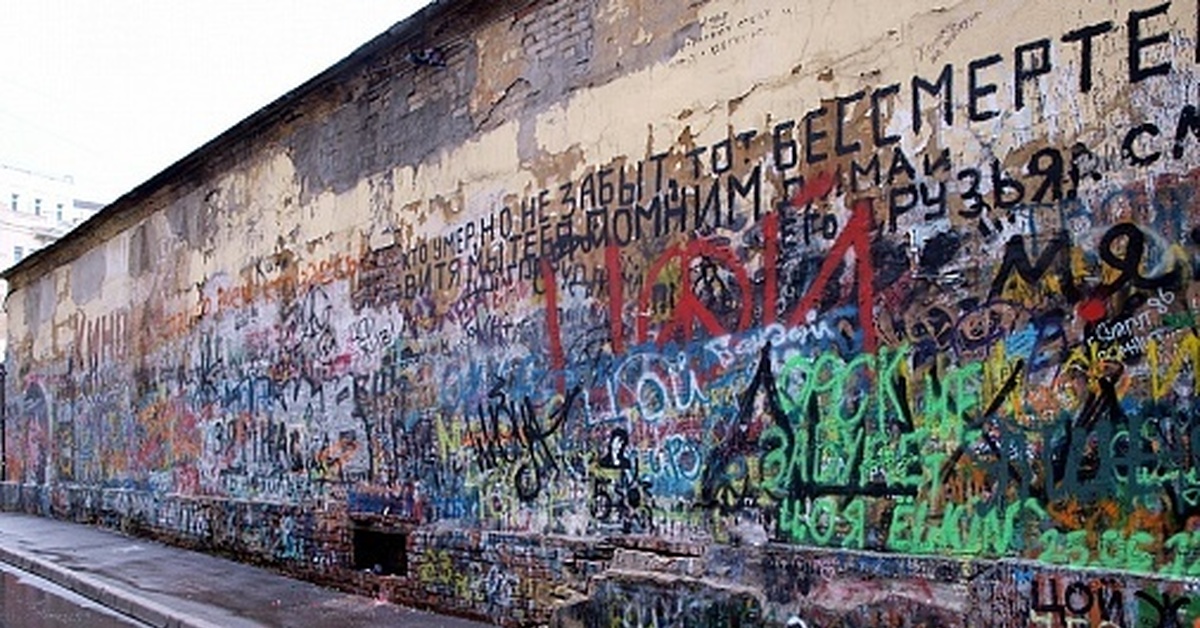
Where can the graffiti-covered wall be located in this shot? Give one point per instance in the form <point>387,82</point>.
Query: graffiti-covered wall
<point>607,312</point>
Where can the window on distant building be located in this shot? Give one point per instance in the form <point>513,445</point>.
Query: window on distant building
<point>37,206</point>
<point>58,212</point>
<point>14,201</point>
<point>18,253</point>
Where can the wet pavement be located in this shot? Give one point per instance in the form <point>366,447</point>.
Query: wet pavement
<point>168,586</point>
<point>27,601</point>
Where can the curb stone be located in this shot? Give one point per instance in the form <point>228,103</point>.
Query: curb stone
<point>112,597</point>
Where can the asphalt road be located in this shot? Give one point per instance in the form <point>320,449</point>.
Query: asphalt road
<point>27,601</point>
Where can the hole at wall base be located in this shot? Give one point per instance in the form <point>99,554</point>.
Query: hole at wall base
<point>381,553</point>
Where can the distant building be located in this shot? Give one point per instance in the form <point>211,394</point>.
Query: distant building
<point>35,210</point>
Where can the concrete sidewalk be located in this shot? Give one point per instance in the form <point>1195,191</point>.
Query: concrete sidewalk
<point>171,587</point>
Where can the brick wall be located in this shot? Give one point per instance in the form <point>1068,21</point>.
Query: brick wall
<point>609,312</point>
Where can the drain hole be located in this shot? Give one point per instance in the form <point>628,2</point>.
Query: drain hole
<point>384,553</point>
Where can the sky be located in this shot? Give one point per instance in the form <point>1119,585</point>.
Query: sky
<point>111,92</point>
